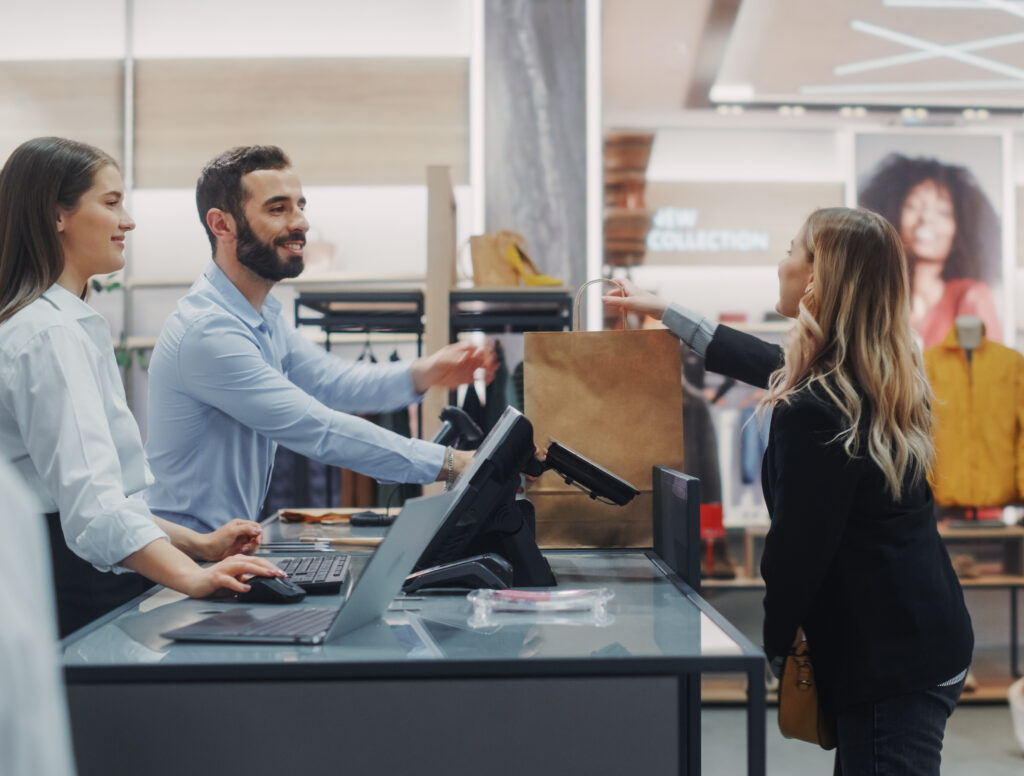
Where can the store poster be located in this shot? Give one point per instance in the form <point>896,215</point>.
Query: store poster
<point>737,223</point>
<point>945,195</point>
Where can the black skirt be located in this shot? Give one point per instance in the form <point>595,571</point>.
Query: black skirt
<point>83,593</point>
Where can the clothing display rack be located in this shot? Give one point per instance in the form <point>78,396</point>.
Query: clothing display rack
<point>398,312</point>
<point>509,311</point>
<point>501,311</point>
<point>335,312</point>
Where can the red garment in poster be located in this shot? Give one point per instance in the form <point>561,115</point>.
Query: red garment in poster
<point>963,296</point>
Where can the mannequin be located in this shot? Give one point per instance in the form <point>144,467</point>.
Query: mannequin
<point>979,412</point>
<point>970,330</point>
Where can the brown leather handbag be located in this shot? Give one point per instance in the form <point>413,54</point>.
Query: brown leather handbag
<point>801,714</point>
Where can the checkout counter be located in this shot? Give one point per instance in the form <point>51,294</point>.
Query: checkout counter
<point>429,689</point>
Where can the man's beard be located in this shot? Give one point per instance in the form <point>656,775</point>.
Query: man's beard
<point>262,257</point>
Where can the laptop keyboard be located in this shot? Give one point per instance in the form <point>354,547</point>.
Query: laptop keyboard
<point>316,573</point>
<point>304,621</point>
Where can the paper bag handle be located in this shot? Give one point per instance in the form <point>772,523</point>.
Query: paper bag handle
<point>579,298</point>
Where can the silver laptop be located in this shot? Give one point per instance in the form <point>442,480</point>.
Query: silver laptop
<point>371,595</point>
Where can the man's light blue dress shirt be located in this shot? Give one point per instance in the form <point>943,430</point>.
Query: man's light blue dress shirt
<point>228,384</point>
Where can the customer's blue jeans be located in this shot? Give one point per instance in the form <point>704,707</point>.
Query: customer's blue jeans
<point>895,737</point>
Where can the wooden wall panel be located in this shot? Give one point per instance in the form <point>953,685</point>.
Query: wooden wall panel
<point>82,100</point>
<point>342,121</point>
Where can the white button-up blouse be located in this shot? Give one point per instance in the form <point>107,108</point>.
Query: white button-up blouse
<point>66,427</point>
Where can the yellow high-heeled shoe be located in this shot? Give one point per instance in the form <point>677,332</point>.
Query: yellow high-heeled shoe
<point>526,269</point>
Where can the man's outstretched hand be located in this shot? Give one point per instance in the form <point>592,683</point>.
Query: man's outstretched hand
<point>453,365</point>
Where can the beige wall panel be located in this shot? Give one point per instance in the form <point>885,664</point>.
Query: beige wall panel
<point>81,100</point>
<point>730,223</point>
<point>342,121</point>
<point>648,52</point>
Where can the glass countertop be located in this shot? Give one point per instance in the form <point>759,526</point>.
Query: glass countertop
<point>648,617</point>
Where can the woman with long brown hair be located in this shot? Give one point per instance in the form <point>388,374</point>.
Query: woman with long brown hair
<point>64,421</point>
<point>853,555</point>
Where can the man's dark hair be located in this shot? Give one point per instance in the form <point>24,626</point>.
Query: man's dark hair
<point>978,242</point>
<point>220,183</point>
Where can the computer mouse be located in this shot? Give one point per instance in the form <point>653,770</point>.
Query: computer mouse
<point>272,590</point>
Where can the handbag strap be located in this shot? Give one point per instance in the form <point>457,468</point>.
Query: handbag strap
<point>579,299</point>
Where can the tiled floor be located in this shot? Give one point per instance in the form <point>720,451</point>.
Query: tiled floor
<point>979,742</point>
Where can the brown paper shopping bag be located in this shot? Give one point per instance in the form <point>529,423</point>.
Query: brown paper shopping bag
<point>616,398</point>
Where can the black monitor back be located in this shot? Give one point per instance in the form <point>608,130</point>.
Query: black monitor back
<point>484,491</point>
<point>677,523</point>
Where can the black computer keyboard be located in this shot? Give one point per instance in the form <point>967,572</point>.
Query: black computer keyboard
<point>316,573</point>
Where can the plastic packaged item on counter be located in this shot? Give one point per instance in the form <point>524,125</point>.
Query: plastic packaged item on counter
<point>563,607</point>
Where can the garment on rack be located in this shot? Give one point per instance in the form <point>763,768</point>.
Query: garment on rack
<point>471,405</point>
<point>700,445</point>
<point>296,481</point>
<point>753,443</point>
<point>979,423</point>
<point>357,490</point>
<point>396,494</point>
<point>517,386</point>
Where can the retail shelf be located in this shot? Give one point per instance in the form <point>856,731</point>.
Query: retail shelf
<point>393,311</point>
<point>312,280</point>
<point>756,583</point>
<point>728,691</point>
<point>510,310</point>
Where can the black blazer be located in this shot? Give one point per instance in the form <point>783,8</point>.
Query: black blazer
<point>867,577</point>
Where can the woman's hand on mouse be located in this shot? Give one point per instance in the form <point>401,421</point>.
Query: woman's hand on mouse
<point>226,575</point>
<point>632,299</point>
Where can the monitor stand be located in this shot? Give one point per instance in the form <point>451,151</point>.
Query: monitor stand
<point>505,553</point>
<point>481,571</point>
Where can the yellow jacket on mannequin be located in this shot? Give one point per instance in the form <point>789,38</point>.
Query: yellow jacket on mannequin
<point>979,423</point>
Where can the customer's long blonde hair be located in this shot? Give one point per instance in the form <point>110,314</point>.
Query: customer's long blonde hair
<point>852,340</point>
